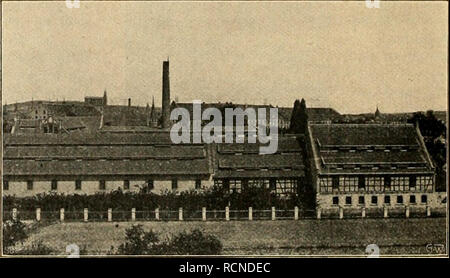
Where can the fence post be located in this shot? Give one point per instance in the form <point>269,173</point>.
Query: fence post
<point>250,213</point>
<point>61,214</point>
<point>296,213</point>
<point>363,212</point>
<point>407,212</point>
<point>341,212</point>
<point>133,214</point>
<point>319,213</point>
<point>227,213</point>
<point>109,214</point>
<point>273,213</point>
<point>86,213</point>
<point>38,214</point>
<point>157,213</point>
<point>14,214</point>
<point>180,214</point>
<point>428,211</point>
<point>385,212</point>
<point>203,213</point>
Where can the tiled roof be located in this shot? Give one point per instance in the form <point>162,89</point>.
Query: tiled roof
<point>364,134</point>
<point>243,160</point>
<point>319,114</point>
<point>368,148</point>
<point>116,115</point>
<point>107,139</point>
<point>105,167</point>
<point>102,154</point>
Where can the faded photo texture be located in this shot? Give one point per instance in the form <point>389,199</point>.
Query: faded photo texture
<point>102,143</point>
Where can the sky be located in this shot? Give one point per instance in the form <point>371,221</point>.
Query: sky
<point>333,54</point>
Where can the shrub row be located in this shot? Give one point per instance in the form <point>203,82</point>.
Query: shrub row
<point>213,198</point>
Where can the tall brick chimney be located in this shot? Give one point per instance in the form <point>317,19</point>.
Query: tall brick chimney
<point>165,95</point>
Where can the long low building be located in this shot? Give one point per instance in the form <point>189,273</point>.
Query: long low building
<point>101,162</point>
<point>370,165</point>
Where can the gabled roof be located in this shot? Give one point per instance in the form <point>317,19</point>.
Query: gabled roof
<point>368,148</point>
<point>244,161</point>
<point>102,154</point>
<point>322,114</point>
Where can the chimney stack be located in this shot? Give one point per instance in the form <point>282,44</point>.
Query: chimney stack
<point>129,102</point>
<point>165,95</point>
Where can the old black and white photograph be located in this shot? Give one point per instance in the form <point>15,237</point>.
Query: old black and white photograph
<point>214,128</point>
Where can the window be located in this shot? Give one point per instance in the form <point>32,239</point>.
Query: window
<point>349,184</point>
<point>387,200</point>
<point>374,183</point>
<point>150,184</point>
<point>5,185</point>
<point>235,186</point>
<point>54,185</point>
<point>102,185</point>
<point>198,184</point>
<point>348,200</point>
<point>126,184</point>
<point>374,200</point>
<point>77,185</point>
<point>400,183</point>
<point>412,199</point>
<point>286,187</point>
<point>424,199</point>
<point>361,200</point>
<point>174,184</point>
<point>335,201</point>
<point>424,183</point>
<point>29,185</point>
<point>399,199</point>
<point>325,184</point>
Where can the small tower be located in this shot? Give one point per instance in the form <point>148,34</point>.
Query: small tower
<point>105,98</point>
<point>377,113</point>
<point>153,118</point>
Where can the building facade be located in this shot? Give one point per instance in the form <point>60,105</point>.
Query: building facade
<point>370,166</point>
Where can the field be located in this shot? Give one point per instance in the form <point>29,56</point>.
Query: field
<point>283,237</point>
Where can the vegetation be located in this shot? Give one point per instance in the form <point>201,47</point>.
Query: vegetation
<point>15,232</point>
<point>139,242</point>
<point>433,130</point>
<point>211,198</point>
<point>336,236</point>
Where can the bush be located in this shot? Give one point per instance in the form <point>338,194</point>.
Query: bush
<point>139,242</point>
<point>13,231</point>
<point>195,243</point>
<point>211,198</point>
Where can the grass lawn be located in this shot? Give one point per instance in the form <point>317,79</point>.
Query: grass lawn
<point>282,237</point>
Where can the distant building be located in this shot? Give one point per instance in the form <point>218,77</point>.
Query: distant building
<point>370,165</point>
<point>97,101</point>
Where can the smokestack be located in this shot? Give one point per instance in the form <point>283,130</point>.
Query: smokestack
<point>129,102</point>
<point>165,95</point>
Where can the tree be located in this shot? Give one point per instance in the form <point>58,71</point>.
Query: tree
<point>299,117</point>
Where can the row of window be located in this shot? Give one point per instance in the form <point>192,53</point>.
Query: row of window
<point>375,183</point>
<point>102,184</point>
<point>374,200</point>
<point>279,186</point>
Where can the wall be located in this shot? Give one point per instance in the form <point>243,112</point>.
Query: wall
<point>19,188</point>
